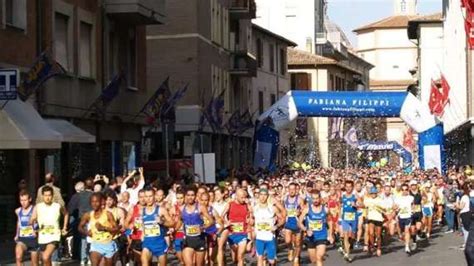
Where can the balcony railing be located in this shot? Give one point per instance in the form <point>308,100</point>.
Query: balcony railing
<point>243,9</point>
<point>243,64</point>
<point>137,12</point>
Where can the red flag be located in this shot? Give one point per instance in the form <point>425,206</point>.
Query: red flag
<point>408,140</point>
<point>436,99</point>
<point>445,90</point>
<point>469,25</point>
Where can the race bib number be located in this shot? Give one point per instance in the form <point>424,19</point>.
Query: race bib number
<point>26,231</point>
<point>417,208</point>
<point>349,216</point>
<point>238,227</point>
<point>315,225</point>
<point>152,230</point>
<point>101,236</point>
<point>404,211</point>
<point>137,224</point>
<point>264,227</point>
<point>193,230</point>
<point>48,230</point>
<point>291,213</point>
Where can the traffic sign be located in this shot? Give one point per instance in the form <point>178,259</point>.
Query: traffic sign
<point>9,82</point>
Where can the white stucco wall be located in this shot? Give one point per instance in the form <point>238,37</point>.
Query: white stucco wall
<point>454,67</point>
<point>295,20</point>
<point>431,48</point>
<point>390,51</point>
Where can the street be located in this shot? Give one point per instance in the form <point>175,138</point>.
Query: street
<point>443,249</point>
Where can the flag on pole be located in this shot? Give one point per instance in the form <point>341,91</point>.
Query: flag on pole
<point>337,125</point>
<point>168,109</point>
<point>246,122</point>
<point>213,112</point>
<point>351,137</point>
<point>152,107</point>
<point>108,94</point>
<point>468,22</point>
<point>233,124</point>
<point>43,69</point>
<point>408,139</point>
<point>439,97</point>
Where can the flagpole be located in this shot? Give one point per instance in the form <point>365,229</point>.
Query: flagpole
<point>167,152</point>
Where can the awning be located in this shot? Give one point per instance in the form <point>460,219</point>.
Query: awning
<point>21,127</point>
<point>69,132</point>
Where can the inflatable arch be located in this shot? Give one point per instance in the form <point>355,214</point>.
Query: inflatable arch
<point>350,104</point>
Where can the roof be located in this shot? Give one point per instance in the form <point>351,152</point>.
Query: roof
<point>274,35</point>
<point>391,22</point>
<point>428,19</point>
<point>391,84</point>
<point>302,58</point>
<point>299,57</point>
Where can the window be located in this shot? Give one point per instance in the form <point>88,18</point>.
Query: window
<point>62,49</point>
<point>113,54</point>
<point>403,6</point>
<point>132,60</point>
<point>300,81</point>
<point>271,56</point>
<point>282,61</point>
<point>260,102</point>
<point>85,50</point>
<point>272,98</point>
<point>259,53</point>
<point>15,13</point>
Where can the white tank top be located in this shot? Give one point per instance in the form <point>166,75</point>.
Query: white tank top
<point>219,208</point>
<point>48,222</point>
<point>264,222</point>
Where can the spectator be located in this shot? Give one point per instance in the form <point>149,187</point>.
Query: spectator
<point>131,187</point>
<point>49,181</point>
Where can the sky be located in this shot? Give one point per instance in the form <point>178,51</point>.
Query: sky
<point>346,13</point>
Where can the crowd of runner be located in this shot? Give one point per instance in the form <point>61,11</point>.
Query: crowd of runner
<point>129,221</point>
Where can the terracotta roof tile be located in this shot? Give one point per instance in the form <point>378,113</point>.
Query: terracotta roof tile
<point>299,57</point>
<point>431,17</point>
<point>387,23</point>
<point>391,83</point>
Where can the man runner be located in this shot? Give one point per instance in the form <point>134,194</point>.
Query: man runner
<point>26,236</point>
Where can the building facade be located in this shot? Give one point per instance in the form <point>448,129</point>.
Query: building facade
<point>385,45</point>
<point>213,46</point>
<point>93,41</point>
<point>301,21</point>
<point>314,137</point>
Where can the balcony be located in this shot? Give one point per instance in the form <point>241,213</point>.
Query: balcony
<point>321,38</point>
<point>243,9</point>
<point>136,12</point>
<point>336,51</point>
<point>243,64</point>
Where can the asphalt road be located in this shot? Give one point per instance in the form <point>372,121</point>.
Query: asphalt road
<point>442,249</point>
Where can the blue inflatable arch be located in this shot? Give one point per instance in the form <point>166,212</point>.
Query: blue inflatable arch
<point>350,104</point>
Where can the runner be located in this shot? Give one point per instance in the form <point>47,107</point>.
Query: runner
<point>388,201</point>
<point>179,231</point>
<point>211,229</point>
<point>375,217</point>
<point>26,237</point>
<point>349,218</point>
<point>238,215</point>
<point>47,215</point>
<point>135,228</point>
<point>403,207</point>
<point>101,227</point>
<point>266,216</point>
<point>334,208</point>
<point>155,219</point>
<point>119,215</point>
<point>292,204</point>
<point>219,206</point>
<point>192,217</point>
<point>428,199</point>
<point>417,215</point>
<point>313,221</point>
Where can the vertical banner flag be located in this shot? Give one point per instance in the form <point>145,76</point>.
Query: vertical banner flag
<point>351,137</point>
<point>108,94</point>
<point>43,69</point>
<point>337,125</point>
<point>168,109</point>
<point>152,107</point>
<point>439,97</point>
<point>468,5</point>
<point>213,113</point>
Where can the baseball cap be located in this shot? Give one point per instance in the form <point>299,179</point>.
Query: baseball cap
<point>373,190</point>
<point>413,182</point>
